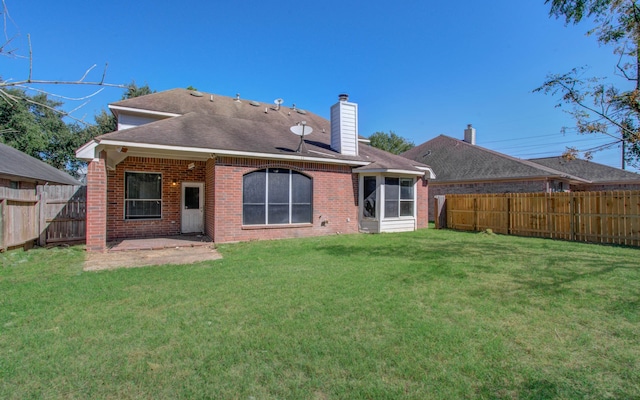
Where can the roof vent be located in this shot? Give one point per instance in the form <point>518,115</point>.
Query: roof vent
<point>303,112</point>
<point>238,97</point>
<point>343,97</point>
<point>255,103</point>
<point>195,93</point>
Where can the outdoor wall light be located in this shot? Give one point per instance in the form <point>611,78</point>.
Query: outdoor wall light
<point>174,183</point>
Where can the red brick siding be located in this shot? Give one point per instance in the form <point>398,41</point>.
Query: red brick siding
<point>335,206</point>
<point>170,223</point>
<point>209,198</point>
<point>423,203</point>
<point>96,238</point>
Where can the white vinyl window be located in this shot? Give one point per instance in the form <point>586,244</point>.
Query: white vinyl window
<point>398,197</point>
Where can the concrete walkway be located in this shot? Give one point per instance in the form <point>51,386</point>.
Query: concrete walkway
<point>159,243</point>
<point>131,253</point>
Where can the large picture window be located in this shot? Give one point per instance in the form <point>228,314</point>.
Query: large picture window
<point>276,196</point>
<point>142,195</point>
<point>398,197</point>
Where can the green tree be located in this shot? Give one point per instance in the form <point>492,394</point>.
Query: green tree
<point>390,142</point>
<point>34,125</point>
<point>597,105</point>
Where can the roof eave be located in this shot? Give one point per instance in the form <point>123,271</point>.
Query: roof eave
<point>211,152</point>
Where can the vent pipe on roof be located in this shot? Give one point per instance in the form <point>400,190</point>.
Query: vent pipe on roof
<point>344,126</point>
<point>470,135</point>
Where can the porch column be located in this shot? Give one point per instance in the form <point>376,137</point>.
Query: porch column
<point>422,217</point>
<point>97,204</point>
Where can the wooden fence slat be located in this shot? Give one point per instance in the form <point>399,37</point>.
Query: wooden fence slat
<point>599,217</point>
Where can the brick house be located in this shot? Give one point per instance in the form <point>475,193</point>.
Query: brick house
<point>184,161</point>
<point>463,167</point>
<point>21,171</point>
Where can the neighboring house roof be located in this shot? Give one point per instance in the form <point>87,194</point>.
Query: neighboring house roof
<point>222,125</point>
<point>591,171</point>
<point>20,166</point>
<point>455,160</point>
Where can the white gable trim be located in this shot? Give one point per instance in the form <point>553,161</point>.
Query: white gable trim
<point>142,111</point>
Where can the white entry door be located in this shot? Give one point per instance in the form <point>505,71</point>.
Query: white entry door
<point>192,207</point>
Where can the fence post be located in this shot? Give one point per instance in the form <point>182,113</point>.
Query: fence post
<point>41,208</point>
<point>572,218</point>
<point>3,224</point>
<point>509,199</point>
<point>441,211</point>
<point>475,214</point>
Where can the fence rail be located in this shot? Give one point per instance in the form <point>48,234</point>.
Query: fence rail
<point>599,217</point>
<point>50,214</point>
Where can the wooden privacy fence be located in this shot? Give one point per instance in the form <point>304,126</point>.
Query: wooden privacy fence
<point>599,217</point>
<point>50,214</point>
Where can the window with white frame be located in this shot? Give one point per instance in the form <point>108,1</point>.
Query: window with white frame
<point>398,197</point>
<point>142,195</point>
<point>276,196</point>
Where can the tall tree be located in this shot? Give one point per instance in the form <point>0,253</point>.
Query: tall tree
<point>32,125</point>
<point>390,142</point>
<point>597,105</point>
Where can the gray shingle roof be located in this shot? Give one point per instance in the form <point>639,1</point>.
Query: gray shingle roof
<point>226,124</point>
<point>454,160</point>
<point>591,171</point>
<point>22,166</point>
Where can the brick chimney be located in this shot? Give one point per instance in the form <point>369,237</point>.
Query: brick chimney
<point>470,135</point>
<point>344,126</point>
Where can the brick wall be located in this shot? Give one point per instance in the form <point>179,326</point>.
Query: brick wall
<point>423,203</point>
<point>96,237</point>
<point>604,187</point>
<point>172,171</point>
<point>335,207</point>
<point>209,198</point>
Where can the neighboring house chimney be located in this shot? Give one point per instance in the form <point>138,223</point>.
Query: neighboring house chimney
<point>344,126</point>
<point>470,135</point>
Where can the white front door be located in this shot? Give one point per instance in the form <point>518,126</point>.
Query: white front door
<point>192,207</point>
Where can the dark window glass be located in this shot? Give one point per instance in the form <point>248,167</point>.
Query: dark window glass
<point>369,193</point>
<point>399,195</point>
<point>391,193</point>
<point>278,186</point>
<point>277,196</point>
<point>191,198</point>
<point>254,191</point>
<point>143,195</point>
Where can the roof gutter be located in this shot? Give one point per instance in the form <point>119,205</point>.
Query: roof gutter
<point>87,152</point>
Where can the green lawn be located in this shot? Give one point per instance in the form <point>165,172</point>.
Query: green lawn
<point>428,314</point>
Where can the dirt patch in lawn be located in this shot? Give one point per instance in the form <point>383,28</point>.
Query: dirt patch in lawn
<point>141,258</point>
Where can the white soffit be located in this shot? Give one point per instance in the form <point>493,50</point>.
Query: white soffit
<point>218,152</point>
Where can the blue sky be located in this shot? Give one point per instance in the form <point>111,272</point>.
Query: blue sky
<point>418,68</point>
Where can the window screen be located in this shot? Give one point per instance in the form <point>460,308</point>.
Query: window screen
<point>143,195</point>
<point>276,196</point>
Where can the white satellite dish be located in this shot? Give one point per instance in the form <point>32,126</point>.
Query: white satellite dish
<point>278,102</point>
<point>301,130</point>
